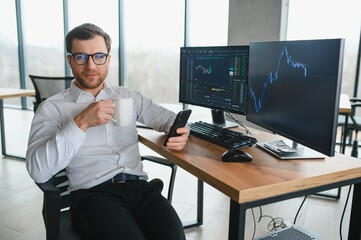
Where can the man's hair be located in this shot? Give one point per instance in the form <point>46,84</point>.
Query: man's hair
<point>86,31</point>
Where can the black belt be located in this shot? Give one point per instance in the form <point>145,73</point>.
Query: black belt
<point>122,177</point>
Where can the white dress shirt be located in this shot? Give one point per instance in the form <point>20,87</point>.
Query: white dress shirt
<point>94,156</point>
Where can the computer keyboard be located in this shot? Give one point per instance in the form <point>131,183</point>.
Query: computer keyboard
<point>220,136</point>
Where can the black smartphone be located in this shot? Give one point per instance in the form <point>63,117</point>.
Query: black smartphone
<point>180,121</point>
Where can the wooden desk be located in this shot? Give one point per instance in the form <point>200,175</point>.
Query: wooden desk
<point>265,180</point>
<point>10,93</point>
<point>345,105</point>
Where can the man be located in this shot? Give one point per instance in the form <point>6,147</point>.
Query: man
<point>111,198</point>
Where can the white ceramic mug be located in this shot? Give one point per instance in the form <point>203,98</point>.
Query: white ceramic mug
<point>123,111</point>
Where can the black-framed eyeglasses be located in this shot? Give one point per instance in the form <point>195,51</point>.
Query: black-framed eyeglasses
<point>83,58</point>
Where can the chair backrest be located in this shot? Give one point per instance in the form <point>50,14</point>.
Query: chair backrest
<point>46,87</point>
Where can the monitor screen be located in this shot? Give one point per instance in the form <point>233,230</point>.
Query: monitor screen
<point>294,90</point>
<point>215,78</point>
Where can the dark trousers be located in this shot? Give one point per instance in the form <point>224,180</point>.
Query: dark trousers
<point>130,210</point>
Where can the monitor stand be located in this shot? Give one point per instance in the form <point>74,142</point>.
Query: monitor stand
<point>219,119</point>
<point>283,150</point>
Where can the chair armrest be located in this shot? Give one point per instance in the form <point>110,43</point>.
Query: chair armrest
<point>49,188</point>
<point>353,99</point>
<point>51,208</point>
<point>158,160</point>
<point>173,167</point>
<point>355,104</point>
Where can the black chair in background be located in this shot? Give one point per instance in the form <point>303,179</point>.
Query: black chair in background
<point>46,87</point>
<point>56,202</point>
<point>355,124</point>
<point>349,133</point>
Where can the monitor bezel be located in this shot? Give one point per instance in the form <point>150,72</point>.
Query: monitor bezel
<point>330,151</point>
<point>215,110</point>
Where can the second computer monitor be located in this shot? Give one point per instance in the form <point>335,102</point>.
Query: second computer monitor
<point>294,90</point>
<point>215,78</point>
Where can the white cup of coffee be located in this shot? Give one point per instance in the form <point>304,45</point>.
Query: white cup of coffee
<point>123,111</point>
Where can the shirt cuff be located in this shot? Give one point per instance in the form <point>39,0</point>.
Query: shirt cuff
<point>74,134</point>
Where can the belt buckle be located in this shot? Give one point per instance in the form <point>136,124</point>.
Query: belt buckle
<point>114,181</point>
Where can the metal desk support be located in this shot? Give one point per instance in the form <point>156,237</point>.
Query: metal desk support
<point>9,93</point>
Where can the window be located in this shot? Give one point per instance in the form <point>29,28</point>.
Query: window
<point>329,19</point>
<point>105,15</point>
<point>153,35</point>
<point>43,37</point>
<point>207,23</point>
<point>9,61</point>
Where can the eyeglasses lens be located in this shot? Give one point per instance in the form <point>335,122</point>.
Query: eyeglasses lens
<point>83,58</point>
<point>99,58</point>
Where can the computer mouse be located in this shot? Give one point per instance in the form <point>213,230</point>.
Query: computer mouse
<point>236,155</point>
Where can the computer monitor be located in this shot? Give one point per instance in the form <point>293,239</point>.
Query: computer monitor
<point>215,78</point>
<point>294,91</point>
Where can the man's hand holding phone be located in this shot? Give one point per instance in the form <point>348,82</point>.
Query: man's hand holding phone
<point>177,136</point>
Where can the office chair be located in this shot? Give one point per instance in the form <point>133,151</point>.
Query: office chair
<point>349,131</point>
<point>46,87</point>
<point>56,202</point>
<point>355,124</point>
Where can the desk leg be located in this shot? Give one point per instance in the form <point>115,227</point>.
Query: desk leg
<point>344,136</point>
<point>237,221</point>
<point>354,231</point>
<point>200,194</point>
<point>2,127</point>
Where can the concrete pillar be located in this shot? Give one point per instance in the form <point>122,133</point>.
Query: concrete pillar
<point>257,20</point>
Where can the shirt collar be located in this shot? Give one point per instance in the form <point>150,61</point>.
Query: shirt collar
<point>80,96</point>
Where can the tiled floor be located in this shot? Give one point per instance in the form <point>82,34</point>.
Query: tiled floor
<point>21,200</point>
